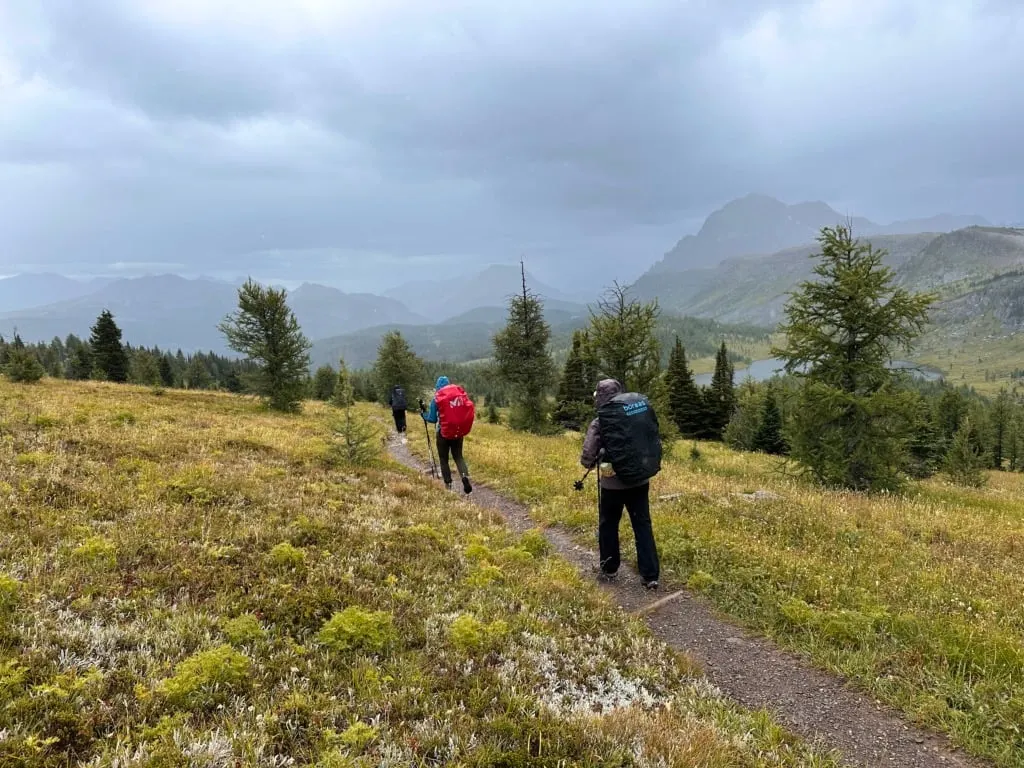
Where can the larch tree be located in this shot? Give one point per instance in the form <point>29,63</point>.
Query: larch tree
<point>623,339</point>
<point>850,426</point>
<point>343,395</point>
<point>265,330</point>
<point>397,365</point>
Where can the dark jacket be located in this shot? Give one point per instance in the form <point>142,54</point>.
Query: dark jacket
<point>606,390</point>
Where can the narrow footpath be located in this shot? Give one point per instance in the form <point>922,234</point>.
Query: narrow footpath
<point>751,670</point>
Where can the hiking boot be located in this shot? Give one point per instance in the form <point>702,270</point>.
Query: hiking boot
<point>467,486</point>
<point>447,486</point>
<point>651,584</point>
<point>603,575</point>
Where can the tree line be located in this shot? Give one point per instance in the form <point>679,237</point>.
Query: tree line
<point>840,414</point>
<point>105,357</point>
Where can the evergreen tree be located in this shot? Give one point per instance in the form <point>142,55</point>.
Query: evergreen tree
<point>110,360</point>
<point>624,340</point>
<point>196,375</point>
<point>166,373</point>
<point>1014,436</point>
<point>964,464</point>
<point>144,368</point>
<point>575,402</point>
<point>21,365</point>
<point>949,413</point>
<point>768,438</point>
<point>233,382</point>
<point>685,405</point>
<point>323,383</point>
<point>397,365</point>
<point>493,416</point>
<point>925,447</point>
<point>343,395</point>
<point>849,426</point>
<point>746,419</point>
<point>265,330</point>
<point>521,353</point>
<point>81,364</point>
<point>1000,414</point>
<point>720,397</point>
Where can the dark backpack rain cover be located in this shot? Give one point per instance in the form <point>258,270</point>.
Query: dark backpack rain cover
<point>630,437</point>
<point>398,399</point>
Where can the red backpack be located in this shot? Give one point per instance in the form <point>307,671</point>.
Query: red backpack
<point>455,411</point>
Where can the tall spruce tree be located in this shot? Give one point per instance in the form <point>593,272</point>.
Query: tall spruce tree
<point>265,330</point>
<point>685,404</point>
<point>397,365</point>
<point>110,360</point>
<point>624,341</point>
<point>769,438</point>
<point>524,361</point>
<point>850,426</point>
<point>575,401</point>
<point>719,397</point>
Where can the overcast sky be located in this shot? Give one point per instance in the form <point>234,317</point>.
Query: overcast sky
<point>360,142</point>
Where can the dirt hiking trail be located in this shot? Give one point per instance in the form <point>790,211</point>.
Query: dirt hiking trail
<point>751,670</point>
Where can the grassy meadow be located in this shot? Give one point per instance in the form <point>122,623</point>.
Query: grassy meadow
<point>187,580</point>
<point>917,599</point>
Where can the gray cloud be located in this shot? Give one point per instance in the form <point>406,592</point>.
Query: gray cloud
<point>318,139</point>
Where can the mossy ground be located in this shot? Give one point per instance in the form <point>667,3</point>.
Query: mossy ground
<point>186,579</point>
<point>916,598</point>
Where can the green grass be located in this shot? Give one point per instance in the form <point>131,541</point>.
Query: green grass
<point>916,599</point>
<point>186,579</point>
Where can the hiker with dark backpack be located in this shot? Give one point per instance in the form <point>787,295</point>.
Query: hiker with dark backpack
<point>398,405</point>
<point>625,442</point>
<point>453,412</point>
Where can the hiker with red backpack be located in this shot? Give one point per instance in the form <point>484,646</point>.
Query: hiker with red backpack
<point>453,412</point>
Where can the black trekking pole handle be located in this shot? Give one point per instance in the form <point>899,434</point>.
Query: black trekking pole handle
<point>578,484</point>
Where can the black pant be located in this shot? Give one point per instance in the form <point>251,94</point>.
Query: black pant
<point>638,504</point>
<point>453,447</point>
<point>399,414</point>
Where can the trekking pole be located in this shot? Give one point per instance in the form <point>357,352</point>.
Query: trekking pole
<point>578,484</point>
<point>430,445</point>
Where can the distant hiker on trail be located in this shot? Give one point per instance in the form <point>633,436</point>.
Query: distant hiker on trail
<point>398,404</point>
<point>624,438</point>
<point>453,412</point>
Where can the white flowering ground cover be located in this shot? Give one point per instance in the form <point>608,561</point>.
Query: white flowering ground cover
<point>186,580</point>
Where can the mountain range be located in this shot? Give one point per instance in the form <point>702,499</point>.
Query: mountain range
<point>175,312</point>
<point>760,225</point>
<point>738,269</point>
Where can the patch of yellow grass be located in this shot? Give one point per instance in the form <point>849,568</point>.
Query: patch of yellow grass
<point>186,579</point>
